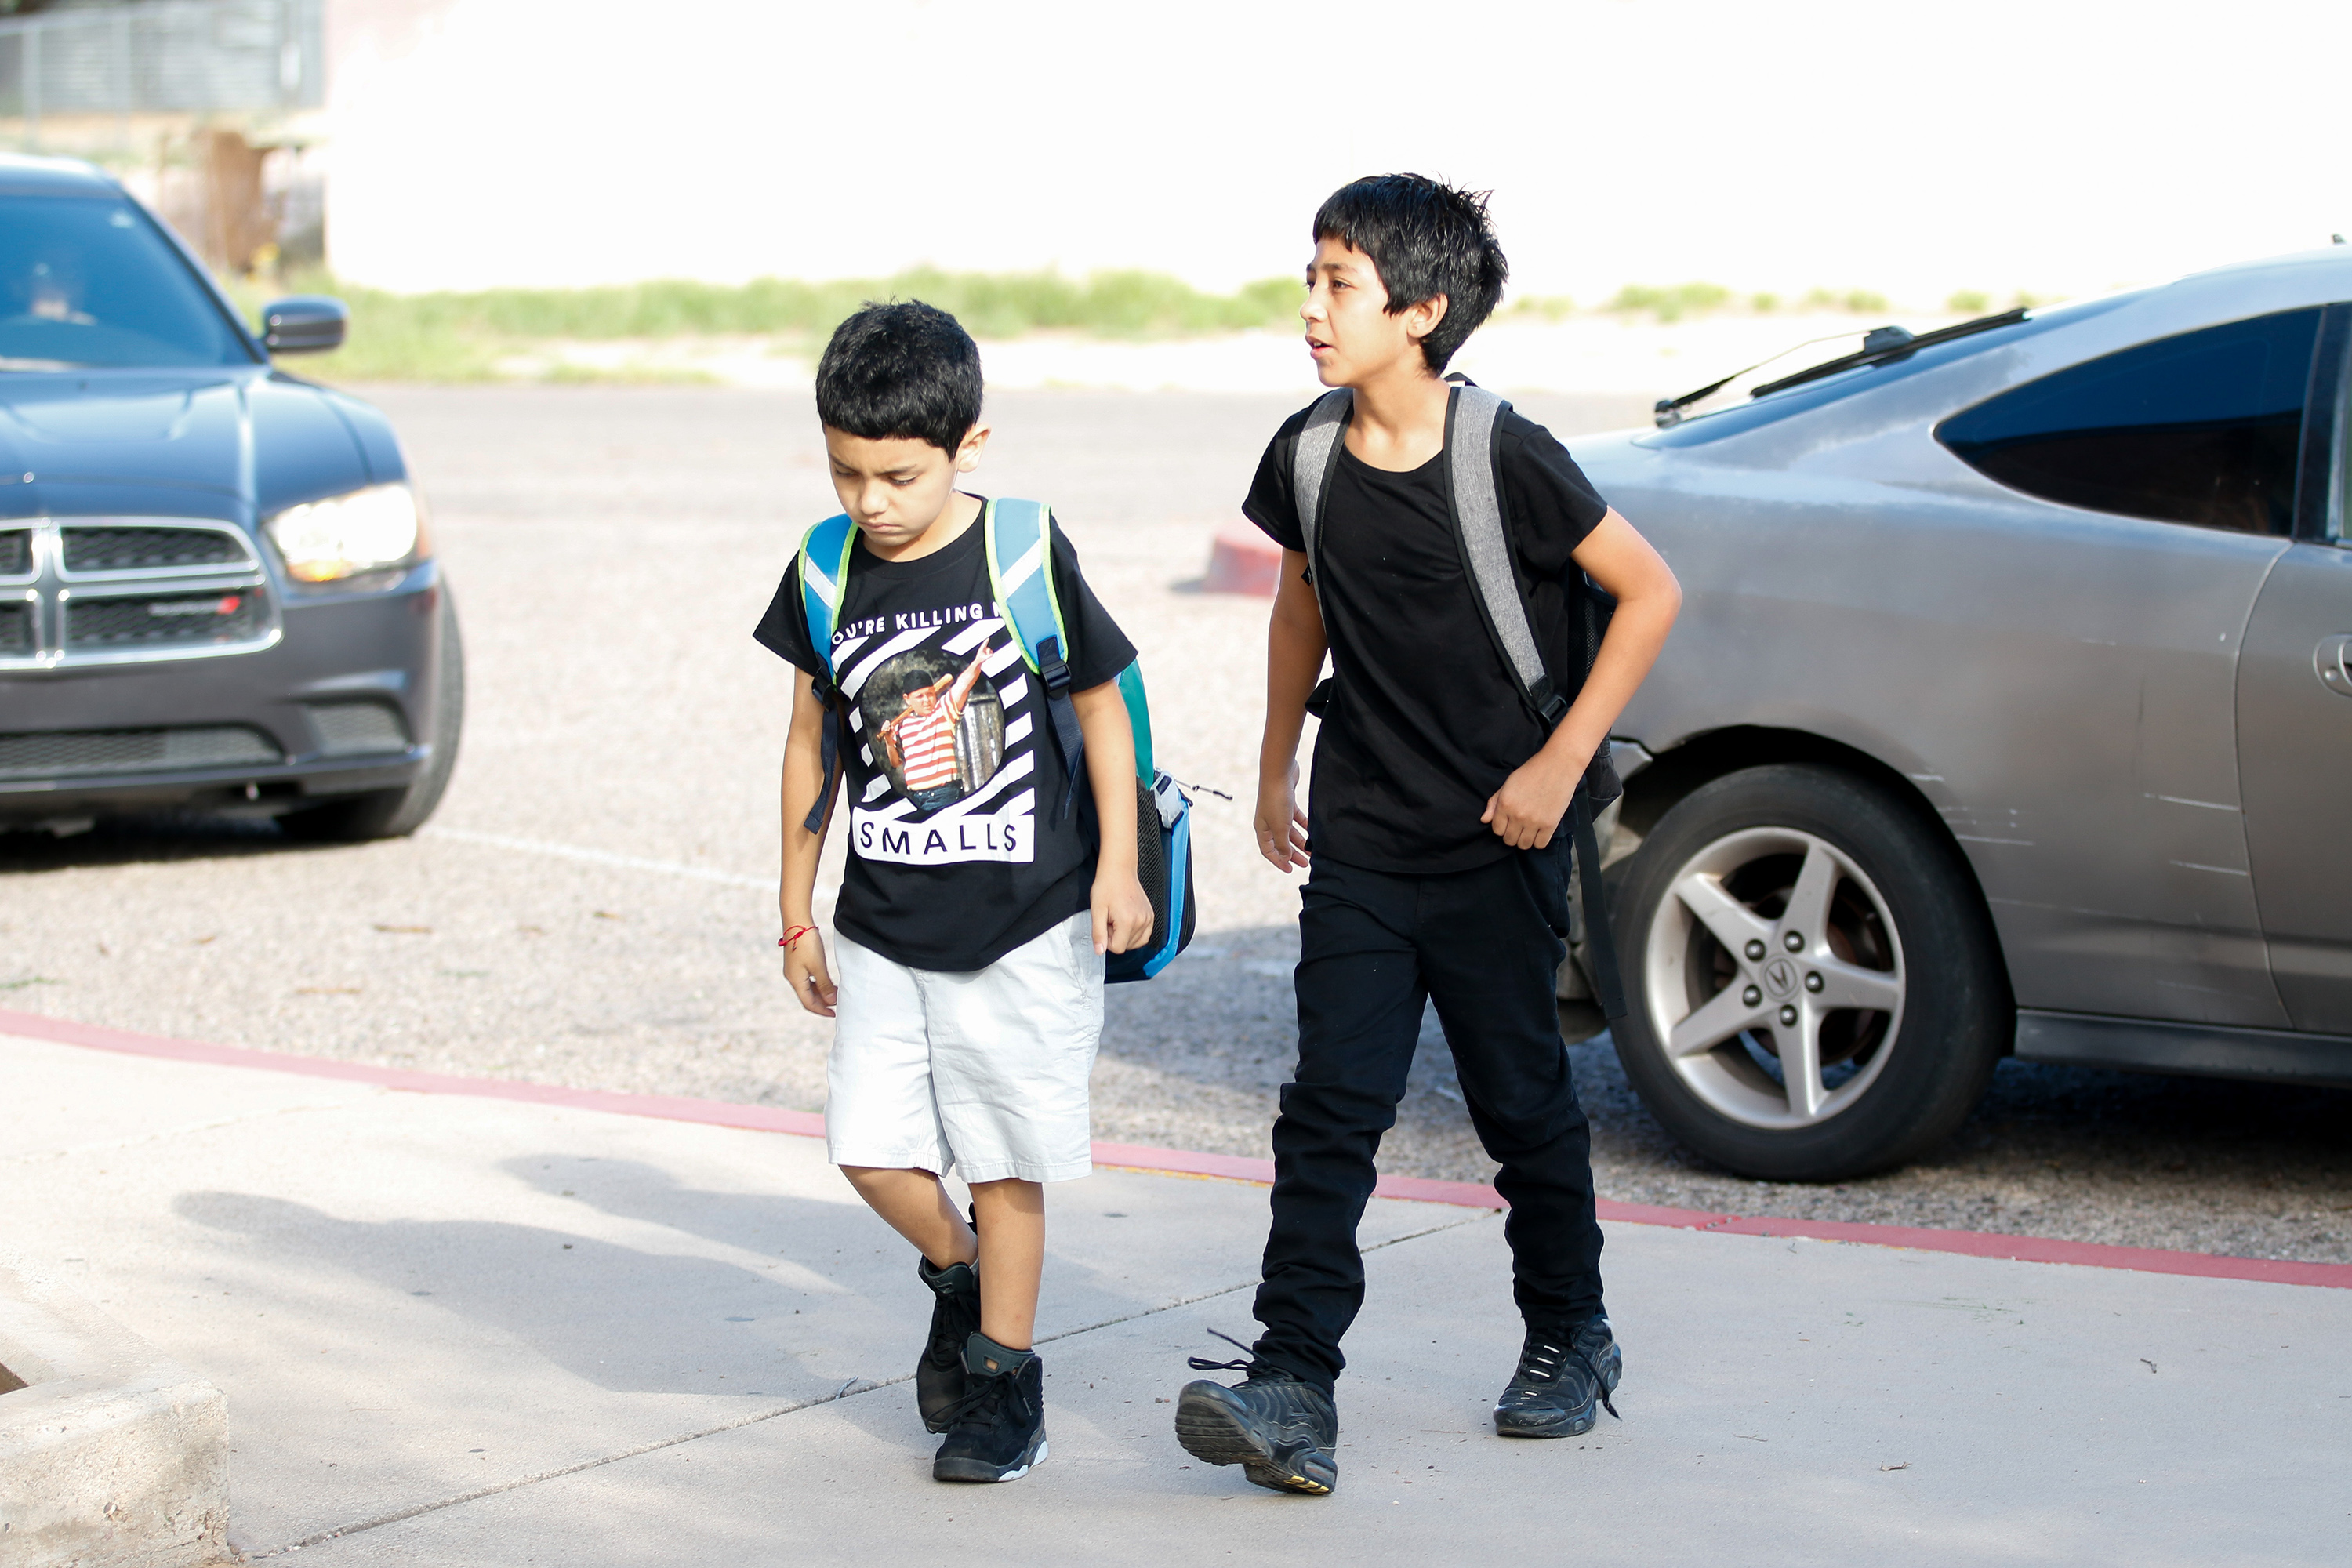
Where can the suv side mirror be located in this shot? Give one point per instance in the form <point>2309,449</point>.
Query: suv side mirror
<point>304,323</point>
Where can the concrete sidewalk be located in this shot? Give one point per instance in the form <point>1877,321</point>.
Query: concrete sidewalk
<point>460,1330</point>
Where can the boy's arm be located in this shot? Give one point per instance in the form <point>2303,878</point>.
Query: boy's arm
<point>961,692</point>
<point>1122,911</point>
<point>803,781</point>
<point>1295,646</point>
<point>1527,809</point>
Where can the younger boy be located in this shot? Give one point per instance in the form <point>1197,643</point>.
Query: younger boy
<point>979,897</point>
<point>1437,857</point>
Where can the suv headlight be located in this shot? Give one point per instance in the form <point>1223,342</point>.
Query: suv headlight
<point>348,535</point>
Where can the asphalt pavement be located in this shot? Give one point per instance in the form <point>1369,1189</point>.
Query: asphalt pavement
<point>594,905</point>
<point>459,1331</point>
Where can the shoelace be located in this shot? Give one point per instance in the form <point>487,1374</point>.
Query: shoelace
<point>976,1405</point>
<point>1541,1361</point>
<point>1202,1363</point>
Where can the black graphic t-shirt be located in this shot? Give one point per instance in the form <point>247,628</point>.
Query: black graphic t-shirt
<point>959,849</point>
<point>1425,721</point>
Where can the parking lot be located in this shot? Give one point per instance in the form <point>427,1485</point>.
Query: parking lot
<point>595,905</point>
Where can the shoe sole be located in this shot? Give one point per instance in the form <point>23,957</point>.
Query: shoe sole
<point>1553,1424</point>
<point>1212,1431</point>
<point>981,1470</point>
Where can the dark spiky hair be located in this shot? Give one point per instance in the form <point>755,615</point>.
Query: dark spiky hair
<point>1427,239</point>
<point>898,370</point>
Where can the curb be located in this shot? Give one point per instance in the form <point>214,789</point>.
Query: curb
<point>111,1456</point>
<point>1188,1162</point>
<point>1242,560</point>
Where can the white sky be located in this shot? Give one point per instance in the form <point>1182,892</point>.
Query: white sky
<point>2058,146</point>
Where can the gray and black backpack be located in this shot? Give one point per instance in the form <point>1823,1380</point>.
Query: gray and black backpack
<point>1475,494</point>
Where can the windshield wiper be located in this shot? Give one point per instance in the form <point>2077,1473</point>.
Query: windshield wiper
<point>1880,345</point>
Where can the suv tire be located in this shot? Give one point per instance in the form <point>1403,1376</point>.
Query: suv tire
<point>1800,910</point>
<point>397,813</point>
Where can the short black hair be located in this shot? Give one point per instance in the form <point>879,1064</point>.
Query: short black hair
<point>900,371</point>
<point>1427,239</point>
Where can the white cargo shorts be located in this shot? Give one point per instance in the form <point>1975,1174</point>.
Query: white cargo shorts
<point>984,1071</point>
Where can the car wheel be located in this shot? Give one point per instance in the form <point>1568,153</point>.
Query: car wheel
<point>1812,989</point>
<point>397,813</point>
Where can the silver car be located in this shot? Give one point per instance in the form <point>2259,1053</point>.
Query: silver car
<point>2010,712</point>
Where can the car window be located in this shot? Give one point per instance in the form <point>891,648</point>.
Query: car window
<point>2200,428</point>
<point>2339,501</point>
<point>88,282</point>
<point>1715,424</point>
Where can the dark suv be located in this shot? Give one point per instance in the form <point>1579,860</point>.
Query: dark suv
<point>218,591</point>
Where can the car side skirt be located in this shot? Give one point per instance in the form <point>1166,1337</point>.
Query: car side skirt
<point>2200,1051</point>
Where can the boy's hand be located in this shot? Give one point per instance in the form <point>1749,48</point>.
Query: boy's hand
<point>1281,826</point>
<point>1526,812</point>
<point>805,972</point>
<point>1122,911</point>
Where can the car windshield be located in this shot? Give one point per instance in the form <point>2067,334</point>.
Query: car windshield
<point>1768,401</point>
<point>87,282</point>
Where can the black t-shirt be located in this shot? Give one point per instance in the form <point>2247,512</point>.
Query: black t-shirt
<point>959,850</point>
<point>1426,722</point>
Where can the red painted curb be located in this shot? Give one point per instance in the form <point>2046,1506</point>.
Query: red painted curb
<point>666,1107</point>
<point>1242,560</point>
<point>1180,1161</point>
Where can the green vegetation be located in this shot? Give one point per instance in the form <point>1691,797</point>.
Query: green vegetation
<point>1976,301</point>
<point>498,335</point>
<point>1857,302</point>
<point>462,337</point>
<point>1671,304</point>
<point>1680,299</point>
<point>1550,306</point>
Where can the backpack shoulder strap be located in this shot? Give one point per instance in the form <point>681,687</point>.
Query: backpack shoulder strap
<point>824,578</point>
<point>1313,461</point>
<point>1019,536</point>
<point>1471,417</point>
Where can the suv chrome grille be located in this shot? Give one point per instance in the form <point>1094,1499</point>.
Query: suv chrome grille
<point>119,548</point>
<point>63,752</point>
<point>145,621</point>
<point>127,590</point>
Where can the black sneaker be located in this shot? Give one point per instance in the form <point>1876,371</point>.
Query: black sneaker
<point>997,1430</point>
<point>940,1379</point>
<point>1563,1383</point>
<point>1279,1430</point>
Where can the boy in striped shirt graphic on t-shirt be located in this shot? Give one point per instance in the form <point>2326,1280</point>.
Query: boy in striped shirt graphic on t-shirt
<point>920,740</point>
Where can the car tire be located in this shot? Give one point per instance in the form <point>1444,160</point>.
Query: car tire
<point>1759,916</point>
<point>397,813</point>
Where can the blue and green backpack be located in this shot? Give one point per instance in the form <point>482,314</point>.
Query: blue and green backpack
<point>1018,534</point>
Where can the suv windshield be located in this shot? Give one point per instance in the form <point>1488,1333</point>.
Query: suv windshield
<point>87,282</point>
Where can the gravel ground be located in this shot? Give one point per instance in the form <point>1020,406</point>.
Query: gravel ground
<point>595,903</point>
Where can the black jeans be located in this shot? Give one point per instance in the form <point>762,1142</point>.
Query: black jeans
<point>1485,946</point>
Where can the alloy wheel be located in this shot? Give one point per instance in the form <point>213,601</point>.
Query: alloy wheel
<point>1775,976</point>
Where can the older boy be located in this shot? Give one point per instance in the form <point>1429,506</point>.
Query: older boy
<point>1437,853</point>
<point>976,906</point>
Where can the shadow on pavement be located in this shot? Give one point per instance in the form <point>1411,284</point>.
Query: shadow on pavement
<point>625,1319</point>
<point>149,839</point>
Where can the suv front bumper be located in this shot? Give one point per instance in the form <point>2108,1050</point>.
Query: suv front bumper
<point>341,702</point>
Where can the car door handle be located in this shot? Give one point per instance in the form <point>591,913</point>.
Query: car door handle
<point>2334,659</point>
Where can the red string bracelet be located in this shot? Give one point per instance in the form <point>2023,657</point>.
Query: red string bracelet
<point>794,936</point>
